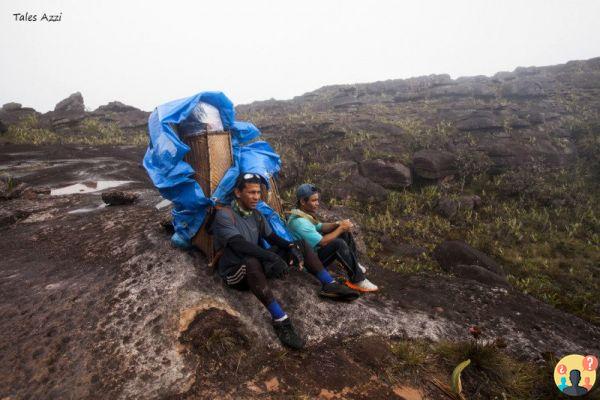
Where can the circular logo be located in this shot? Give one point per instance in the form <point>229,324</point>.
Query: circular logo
<point>575,374</point>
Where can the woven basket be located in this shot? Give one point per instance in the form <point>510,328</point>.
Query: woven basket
<point>272,197</point>
<point>210,156</point>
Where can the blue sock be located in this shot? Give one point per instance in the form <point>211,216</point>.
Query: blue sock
<point>324,276</point>
<point>275,310</point>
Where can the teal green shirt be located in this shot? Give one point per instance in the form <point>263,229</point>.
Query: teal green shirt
<point>302,228</point>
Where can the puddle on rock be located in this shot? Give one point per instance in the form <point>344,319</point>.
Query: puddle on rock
<point>87,209</point>
<point>163,204</point>
<point>87,187</point>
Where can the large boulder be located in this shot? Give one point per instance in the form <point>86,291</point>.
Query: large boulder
<point>341,170</point>
<point>14,113</point>
<point>480,120</point>
<point>434,164</point>
<point>358,187</point>
<point>122,115</point>
<point>387,174</point>
<point>523,88</point>
<point>463,89</point>
<point>448,207</point>
<point>68,112</point>
<point>11,106</point>
<point>479,274</point>
<point>116,106</point>
<point>505,153</point>
<point>346,103</point>
<point>119,197</point>
<point>71,105</point>
<point>451,253</point>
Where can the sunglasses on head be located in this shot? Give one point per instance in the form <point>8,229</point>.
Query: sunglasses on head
<point>251,176</point>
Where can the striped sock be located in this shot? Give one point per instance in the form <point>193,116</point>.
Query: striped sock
<point>324,276</point>
<point>276,312</point>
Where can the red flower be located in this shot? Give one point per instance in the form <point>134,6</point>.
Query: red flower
<point>475,331</point>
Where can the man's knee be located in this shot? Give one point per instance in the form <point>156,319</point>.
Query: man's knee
<point>304,246</point>
<point>340,244</point>
<point>253,264</point>
<point>342,248</point>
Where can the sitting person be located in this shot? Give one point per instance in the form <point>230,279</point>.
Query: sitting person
<point>243,264</point>
<point>331,241</point>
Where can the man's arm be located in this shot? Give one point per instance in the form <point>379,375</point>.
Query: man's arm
<point>244,248</point>
<point>230,236</point>
<point>278,241</point>
<point>328,227</point>
<point>343,226</point>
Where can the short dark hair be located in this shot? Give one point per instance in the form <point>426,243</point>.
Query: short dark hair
<point>245,178</point>
<point>299,201</point>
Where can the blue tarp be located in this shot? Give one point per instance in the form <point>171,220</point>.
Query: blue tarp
<point>174,178</point>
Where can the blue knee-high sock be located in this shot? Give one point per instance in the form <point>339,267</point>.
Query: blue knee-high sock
<point>276,310</point>
<point>324,276</point>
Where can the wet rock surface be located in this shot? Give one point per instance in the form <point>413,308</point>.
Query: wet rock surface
<point>99,302</point>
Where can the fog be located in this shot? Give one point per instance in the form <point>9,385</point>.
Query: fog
<point>146,53</point>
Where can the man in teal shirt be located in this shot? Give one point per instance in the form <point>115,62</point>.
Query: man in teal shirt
<point>331,241</point>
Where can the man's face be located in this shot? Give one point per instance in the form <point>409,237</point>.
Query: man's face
<point>249,195</point>
<point>311,204</point>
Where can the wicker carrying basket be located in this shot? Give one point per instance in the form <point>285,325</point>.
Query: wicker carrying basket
<point>211,156</point>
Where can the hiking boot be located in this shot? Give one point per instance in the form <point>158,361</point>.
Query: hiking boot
<point>363,286</point>
<point>287,335</point>
<point>337,291</point>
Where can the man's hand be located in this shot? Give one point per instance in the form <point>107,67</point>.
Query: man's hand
<point>276,268</point>
<point>296,256</point>
<point>345,224</point>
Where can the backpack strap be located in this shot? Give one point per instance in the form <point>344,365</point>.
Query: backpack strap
<point>260,220</point>
<point>209,221</point>
<point>211,214</point>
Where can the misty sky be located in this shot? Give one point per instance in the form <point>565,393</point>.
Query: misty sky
<point>146,53</point>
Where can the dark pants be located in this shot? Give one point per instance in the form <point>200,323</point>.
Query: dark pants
<point>252,274</point>
<point>342,249</point>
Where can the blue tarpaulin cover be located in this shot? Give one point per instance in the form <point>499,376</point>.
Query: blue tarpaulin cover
<point>174,178</point>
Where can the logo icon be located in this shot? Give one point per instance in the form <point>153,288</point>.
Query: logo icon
<point>575,374</point>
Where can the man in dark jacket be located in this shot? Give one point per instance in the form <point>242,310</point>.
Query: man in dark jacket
<point>244,264</point>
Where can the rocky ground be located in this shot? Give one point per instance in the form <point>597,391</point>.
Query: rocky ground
<point>476,203</point>
<point>96,303</point>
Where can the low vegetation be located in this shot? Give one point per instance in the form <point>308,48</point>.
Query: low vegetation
<point>91,132</point>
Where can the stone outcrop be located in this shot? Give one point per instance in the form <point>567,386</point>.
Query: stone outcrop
<point>68,112</point>
<point>119,197</point>
<point>14,113</point>
<point>452,253</point>
<point>434,164</point>
<point>389,175</point>
<point>124,116</point>
<point>448,207</point>
<point>69,116</point>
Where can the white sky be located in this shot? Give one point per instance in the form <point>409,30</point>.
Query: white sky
<point>145,53</point>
